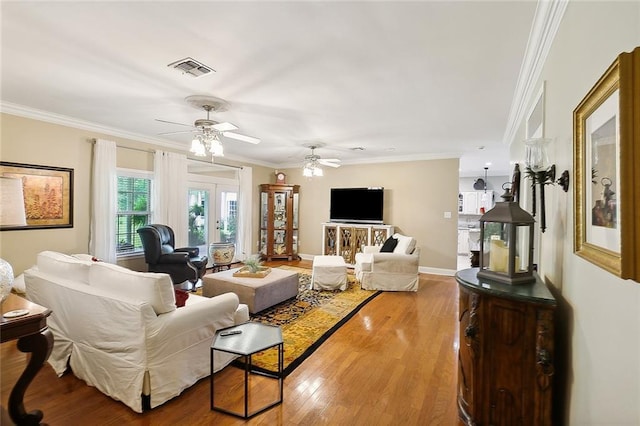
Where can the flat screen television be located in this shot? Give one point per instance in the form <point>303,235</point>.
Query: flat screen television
<point>357,205</point>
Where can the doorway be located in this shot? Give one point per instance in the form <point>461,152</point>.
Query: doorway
<point>213,214</point>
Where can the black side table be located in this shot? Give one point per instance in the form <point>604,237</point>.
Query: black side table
<point>255,337</point>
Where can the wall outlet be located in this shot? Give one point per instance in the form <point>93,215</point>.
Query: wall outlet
<point>447,215</point>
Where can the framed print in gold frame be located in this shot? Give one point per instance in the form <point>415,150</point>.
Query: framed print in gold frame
<point>606,150</point>
<point>48,195</point>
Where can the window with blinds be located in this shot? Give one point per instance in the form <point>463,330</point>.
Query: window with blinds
<point>134,197</point>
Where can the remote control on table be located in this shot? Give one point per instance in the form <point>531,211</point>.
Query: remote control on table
<point>230,332</point>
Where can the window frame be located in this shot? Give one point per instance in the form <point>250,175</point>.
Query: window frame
<point>135,174</point>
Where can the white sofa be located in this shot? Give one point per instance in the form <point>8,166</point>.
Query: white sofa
<point>120,331</point>
<point>392,271</point>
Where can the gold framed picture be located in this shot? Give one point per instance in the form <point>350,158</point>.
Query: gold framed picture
<point>606,142</point>
<point>48,195</point>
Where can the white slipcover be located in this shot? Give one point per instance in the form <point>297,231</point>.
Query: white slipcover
<point>395,271</point>
<point>329,273</point>
<point>114,340</point>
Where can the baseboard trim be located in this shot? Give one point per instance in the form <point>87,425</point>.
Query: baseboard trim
<point>436,271</point>
<point>306,256</point>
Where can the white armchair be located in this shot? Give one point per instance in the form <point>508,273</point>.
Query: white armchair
<point>390,271</point>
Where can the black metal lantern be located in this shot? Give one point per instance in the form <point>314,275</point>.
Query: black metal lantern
<point>506,243</point>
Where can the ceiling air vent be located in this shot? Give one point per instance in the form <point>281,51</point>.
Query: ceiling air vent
<point>191,67</point>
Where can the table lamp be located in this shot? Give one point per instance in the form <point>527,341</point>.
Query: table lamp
<point>12,214</point>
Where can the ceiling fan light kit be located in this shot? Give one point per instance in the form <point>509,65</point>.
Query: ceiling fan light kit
<point>311,169</point>
<point>207,141</point>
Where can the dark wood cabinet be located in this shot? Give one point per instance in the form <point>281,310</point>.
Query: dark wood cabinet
<point>34,337</point>
<point>505,353</point>
<point>279,221</point>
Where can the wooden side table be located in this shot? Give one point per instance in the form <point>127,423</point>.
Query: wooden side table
<point>33,336</point>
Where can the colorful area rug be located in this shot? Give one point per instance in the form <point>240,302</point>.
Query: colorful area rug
<point>309,319</point>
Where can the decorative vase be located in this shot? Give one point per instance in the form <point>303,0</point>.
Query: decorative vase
<point>6,279</point>
<point>222,253</point>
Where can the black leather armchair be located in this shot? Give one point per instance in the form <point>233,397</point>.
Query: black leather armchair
<point>182,264</point>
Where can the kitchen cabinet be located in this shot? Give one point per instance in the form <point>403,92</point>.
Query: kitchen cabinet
<point>469,203</point>
<point>474,202</point>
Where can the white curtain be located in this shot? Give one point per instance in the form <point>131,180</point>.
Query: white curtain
<point>245,235</point>
<point>102,233</point>
<point>170,203</point>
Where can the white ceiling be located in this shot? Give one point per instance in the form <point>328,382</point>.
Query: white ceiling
<point>403,80</point>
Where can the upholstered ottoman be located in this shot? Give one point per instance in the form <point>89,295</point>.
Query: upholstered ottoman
<point>329,273</point>
<point>257,293</point>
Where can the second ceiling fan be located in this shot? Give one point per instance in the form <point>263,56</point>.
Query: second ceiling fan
<point>313,161</point>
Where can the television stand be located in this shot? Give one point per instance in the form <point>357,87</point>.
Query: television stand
<point>347,239</point>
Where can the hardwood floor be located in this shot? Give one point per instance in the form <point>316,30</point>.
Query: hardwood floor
<point>393,363</point>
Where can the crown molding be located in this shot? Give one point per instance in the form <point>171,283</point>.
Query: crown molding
<point>545,25</point>
<point>63,120</point>
<point>388,159</point>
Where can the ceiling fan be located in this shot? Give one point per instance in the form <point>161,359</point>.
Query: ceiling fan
<point>313,161</point>
<point>206,128</point>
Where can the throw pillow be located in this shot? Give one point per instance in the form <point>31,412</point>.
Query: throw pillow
<point>389,245</point>
<point>181,297</point>
<point>406,245</point>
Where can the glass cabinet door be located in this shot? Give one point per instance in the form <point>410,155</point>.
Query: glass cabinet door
<point>279,241</point>
<point>295,224</point>
<point>280,210</point>
<point>295,211</point>
<point>264,210</point>
<point>263,242</point>
<point>264,221</point>
<point>295,241</point>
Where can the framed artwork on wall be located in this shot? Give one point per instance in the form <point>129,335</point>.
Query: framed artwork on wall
<point>606,138</point>
<point>47,192</point>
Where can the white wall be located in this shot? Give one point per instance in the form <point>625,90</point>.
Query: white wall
<point>599,315</point>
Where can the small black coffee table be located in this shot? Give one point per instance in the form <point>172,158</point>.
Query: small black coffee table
<point>255,337</point>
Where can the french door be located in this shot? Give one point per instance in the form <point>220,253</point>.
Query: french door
<point>213,214</point>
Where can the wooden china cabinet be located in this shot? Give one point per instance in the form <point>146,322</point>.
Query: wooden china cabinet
<point>279,221</point>
<point>505,352</point>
